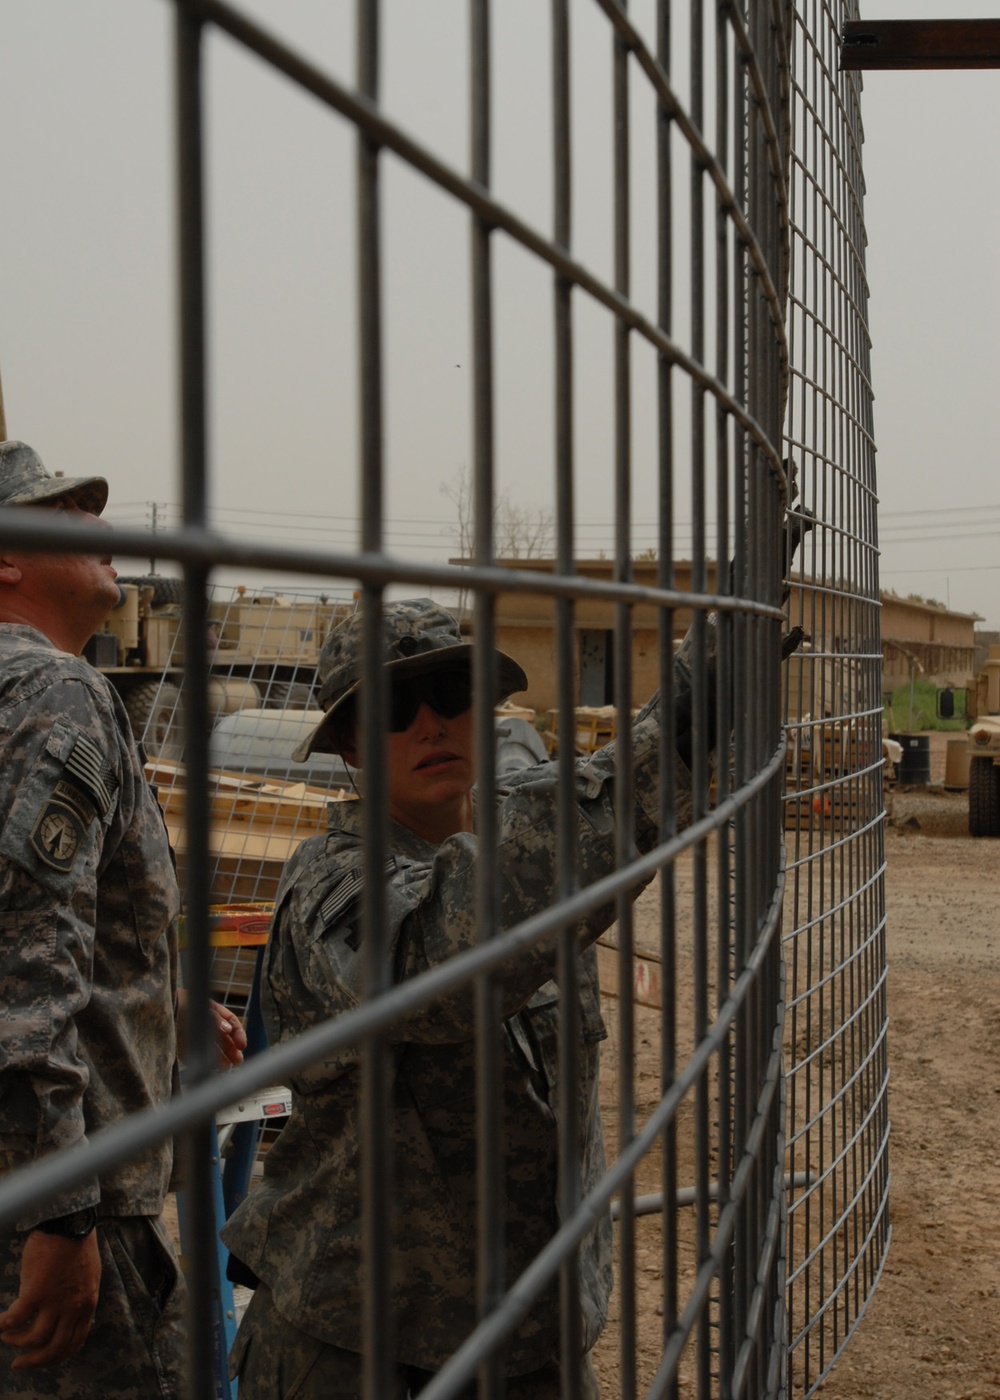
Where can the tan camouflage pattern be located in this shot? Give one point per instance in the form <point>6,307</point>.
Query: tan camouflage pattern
<point>136,1350</point>
<point>88,911</point>
<point>299,1230</point>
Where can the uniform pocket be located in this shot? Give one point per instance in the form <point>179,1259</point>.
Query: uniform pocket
<point>146,1265</point>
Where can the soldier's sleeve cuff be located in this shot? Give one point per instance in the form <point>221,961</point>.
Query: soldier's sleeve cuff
<point>85,1195</point>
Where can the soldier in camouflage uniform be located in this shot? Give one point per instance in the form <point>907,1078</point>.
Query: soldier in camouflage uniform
<point>92,1299</point>
<point>299,1231</point>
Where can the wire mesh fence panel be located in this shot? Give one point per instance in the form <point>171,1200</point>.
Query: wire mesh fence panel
<point>662,329</point>
<point>262,650</point>
<point>838,1123</point>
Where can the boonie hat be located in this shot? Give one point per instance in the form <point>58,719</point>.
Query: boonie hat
<point>419,636</point>
<point>24,481</point>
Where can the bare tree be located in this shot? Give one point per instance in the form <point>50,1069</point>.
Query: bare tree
<point>519,532</point>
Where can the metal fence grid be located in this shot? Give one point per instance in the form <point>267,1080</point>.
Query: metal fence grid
<point>756,208</point>
<point>837,1071</point>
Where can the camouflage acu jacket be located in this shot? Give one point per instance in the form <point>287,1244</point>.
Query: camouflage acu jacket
<point>88,910</point>
<point>300,1228</point>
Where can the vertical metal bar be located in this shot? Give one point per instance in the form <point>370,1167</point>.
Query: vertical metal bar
<point>489,1084</point>
<point>830,420</point>
<point>196,1145</point>
<point>624,841</point>
<point>723,719</point>
<point>668,718</point>
<point>743,664</point>
<point>568,966</point>
<point>699,695</point>
<point>376,1061</point>
<point>838,961</point>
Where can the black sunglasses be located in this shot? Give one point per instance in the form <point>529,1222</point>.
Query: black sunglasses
<point>447,692</point>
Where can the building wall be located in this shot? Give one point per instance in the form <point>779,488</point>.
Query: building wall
<point>926,641</point>
<point>525,627</point>
<point>917,638</point>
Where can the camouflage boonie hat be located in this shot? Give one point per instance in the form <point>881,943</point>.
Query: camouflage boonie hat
<point>419,637</point>
<point>25,482</point>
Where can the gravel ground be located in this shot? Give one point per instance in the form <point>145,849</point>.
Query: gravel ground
<point>931,1332</point>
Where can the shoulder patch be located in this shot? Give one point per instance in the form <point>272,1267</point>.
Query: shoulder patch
<point>345,892</point>
<point>91,769</point>
<point>58,835</point>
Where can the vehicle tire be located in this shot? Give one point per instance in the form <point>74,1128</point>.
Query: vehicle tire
<point>984,798</point>
<point>165,590</point>
<point>154,709</point>
<point>289,695</point>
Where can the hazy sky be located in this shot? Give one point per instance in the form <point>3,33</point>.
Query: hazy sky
<point>87,275</point>
<point>932,213</point>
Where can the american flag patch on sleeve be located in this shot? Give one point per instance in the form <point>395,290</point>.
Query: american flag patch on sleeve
<point>89,767</point>
<point>345,892</point>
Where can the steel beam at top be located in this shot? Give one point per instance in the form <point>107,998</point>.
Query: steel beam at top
<point>925,43</point>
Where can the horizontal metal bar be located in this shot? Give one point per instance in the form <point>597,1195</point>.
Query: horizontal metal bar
<point>878,1162</point>
<point>815,56</point>
<point>30,1186</point>
<point>192,544</point>
<point>492,1330</point>
<point>368,116</point>
<point>822,853</point>
<point>821,1180</point>
<point>878,1222</point>
<point>857,1068</point>
<point>866,888</point>
<point>670,104</point>
<point>920,43</point>
<point>725,1227</point>
<point>688,1195</point>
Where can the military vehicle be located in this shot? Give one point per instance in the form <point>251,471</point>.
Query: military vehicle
<point>263,649</point>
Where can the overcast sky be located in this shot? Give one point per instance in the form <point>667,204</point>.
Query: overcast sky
<point>87,275</point>
<point>932,212</point>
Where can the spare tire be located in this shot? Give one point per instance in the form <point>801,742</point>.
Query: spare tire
<point>165,590</point>
<point>984,798</point>
<point>288,695</point>
<point>154,709</point>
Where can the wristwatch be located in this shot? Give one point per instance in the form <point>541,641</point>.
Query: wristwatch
<point>75,1226</point>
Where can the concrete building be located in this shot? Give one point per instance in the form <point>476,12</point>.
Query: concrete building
<point>927,640</point>
<point>525,624</point>
<point>917,638</point>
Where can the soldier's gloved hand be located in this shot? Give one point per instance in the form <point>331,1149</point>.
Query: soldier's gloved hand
<point>799,520</point>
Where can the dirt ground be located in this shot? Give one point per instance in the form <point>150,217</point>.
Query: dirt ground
<point>931,1330</point>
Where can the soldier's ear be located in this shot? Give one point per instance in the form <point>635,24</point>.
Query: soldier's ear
<point>9,571</point>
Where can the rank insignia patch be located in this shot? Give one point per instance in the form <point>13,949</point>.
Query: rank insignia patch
<point>57,835</point>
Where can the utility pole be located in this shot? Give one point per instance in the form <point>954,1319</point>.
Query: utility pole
<point>155,522</point>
